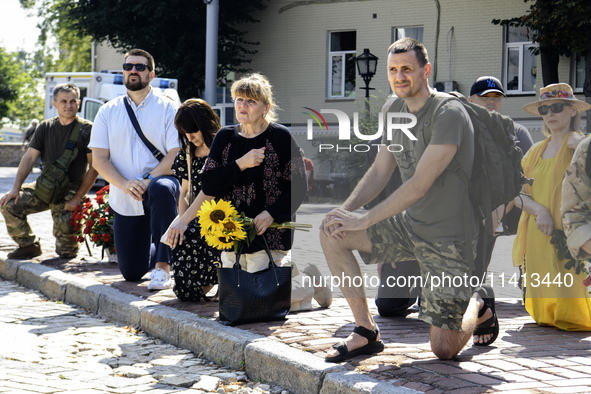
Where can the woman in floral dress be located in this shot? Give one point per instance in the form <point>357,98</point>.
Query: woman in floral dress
<point>192,259</point>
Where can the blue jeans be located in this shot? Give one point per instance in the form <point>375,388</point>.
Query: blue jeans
<point>137,238</point>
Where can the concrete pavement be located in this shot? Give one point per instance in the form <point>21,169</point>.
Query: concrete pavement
<point>525,358</point>
<point>51,347</point>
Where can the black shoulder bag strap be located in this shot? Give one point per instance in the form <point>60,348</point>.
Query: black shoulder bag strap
<point>71,150</point>
<point>157,154</point>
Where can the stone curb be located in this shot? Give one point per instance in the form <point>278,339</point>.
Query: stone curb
<point>263,358</point>
<point>356,383</point>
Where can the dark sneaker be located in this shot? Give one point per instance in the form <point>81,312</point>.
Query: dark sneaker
<point>26,252</point>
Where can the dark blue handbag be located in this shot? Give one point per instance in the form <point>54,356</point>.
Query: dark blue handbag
<point>246,297</point>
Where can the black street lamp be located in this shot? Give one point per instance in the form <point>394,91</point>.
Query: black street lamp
<point>366,66</point>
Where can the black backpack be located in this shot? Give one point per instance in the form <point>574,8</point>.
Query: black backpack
<point>497,175</point>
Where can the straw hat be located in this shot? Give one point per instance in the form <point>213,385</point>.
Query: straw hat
<point>556,92</point>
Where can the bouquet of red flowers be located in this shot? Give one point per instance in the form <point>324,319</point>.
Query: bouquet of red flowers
<point>95,221</point>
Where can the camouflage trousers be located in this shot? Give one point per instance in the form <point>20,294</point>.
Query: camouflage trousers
<point>20,231</point>
<point>444,276</point>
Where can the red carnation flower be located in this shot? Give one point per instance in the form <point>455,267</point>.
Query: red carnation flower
<point>80,239</point>
<point>106,237</point>
<point>89,223</point>
<point>99,200</point>
<point>95,214</point>
<point>77,226</point>
<point>95,237</point>
<point>102,221</point>
<point>87,230</point>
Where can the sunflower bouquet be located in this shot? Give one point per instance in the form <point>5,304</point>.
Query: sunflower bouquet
<point>224,228</point>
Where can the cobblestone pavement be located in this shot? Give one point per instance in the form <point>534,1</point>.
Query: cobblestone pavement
<point>525,357</point>
<point>50,347</point>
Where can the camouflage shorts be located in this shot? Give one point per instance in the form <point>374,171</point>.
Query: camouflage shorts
<point>444,291</point>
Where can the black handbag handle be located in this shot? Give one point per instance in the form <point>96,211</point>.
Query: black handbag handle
<point>157,154</point>
<point>272,264</point>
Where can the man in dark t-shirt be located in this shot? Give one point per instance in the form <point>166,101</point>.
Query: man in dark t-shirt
<point>488,92</point>
<point>49,143</point>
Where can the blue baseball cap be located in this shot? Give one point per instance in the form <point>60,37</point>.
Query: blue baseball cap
<point>487,84</point>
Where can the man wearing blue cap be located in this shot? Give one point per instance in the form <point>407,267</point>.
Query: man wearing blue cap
<point>488,92</point>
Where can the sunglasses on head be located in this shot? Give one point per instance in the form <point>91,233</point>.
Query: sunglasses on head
<point>138,66</point>
<point>556,108</point>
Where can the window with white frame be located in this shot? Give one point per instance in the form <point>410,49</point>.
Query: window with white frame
<point>415,32</point>
<point>520,62</point>
<point>579,74</point>
<point>341,64</point>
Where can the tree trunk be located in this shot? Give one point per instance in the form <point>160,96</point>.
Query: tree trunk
<point>549,65</point>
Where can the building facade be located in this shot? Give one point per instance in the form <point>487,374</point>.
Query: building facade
<point>308,48</point>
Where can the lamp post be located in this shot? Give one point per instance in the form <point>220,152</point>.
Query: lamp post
<point>366,67</point>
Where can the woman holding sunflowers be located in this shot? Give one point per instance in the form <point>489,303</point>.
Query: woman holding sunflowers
<point>192,259</point>
<point>258,166</point>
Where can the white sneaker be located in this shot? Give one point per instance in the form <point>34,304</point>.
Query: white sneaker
<point>159,280</point>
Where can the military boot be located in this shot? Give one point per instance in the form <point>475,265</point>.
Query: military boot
<point>26,252</point>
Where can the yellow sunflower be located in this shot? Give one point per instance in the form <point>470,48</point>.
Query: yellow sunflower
<point>212,215</point>
<point>234,230</point>
<point>219,242</point>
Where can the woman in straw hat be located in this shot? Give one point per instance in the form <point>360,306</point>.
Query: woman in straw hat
<point>554,295</point>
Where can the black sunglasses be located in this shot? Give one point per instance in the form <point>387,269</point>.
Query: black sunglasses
<point>138,66</point>
<point>556,108</point>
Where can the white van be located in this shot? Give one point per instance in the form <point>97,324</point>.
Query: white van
<point>98,88</point>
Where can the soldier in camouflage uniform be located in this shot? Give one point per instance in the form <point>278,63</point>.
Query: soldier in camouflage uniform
<point>49,143</point>
<point>576,204</point>
<point>422,220</point>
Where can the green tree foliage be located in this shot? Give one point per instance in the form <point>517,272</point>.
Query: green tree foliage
<point>560,28</point>
<point>9,87</point>
<point>65,47</point>
<point>30,101</point>
<point>20,90</point>
<point>172,31</point>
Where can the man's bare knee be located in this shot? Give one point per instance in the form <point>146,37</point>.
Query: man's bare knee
<point>358,240</point>
<point>443,351</point>
<point>446,344</point>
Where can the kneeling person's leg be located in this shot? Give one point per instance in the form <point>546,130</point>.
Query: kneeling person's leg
<point>162,203</point>
<point>15,215</point>
<point>398,288</point>
<point>445,295</point>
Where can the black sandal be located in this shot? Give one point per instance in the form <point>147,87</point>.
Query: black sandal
<point>491,325</point>
<point>373,346</point>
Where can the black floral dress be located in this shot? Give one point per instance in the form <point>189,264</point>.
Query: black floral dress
<point>193,261</point>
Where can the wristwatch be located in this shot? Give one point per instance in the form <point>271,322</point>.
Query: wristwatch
<point>149,176</point>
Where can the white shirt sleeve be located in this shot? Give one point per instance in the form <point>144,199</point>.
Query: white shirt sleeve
<point>99,136</point>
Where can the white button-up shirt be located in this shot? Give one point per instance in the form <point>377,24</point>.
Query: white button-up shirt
<point>114,131</point>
